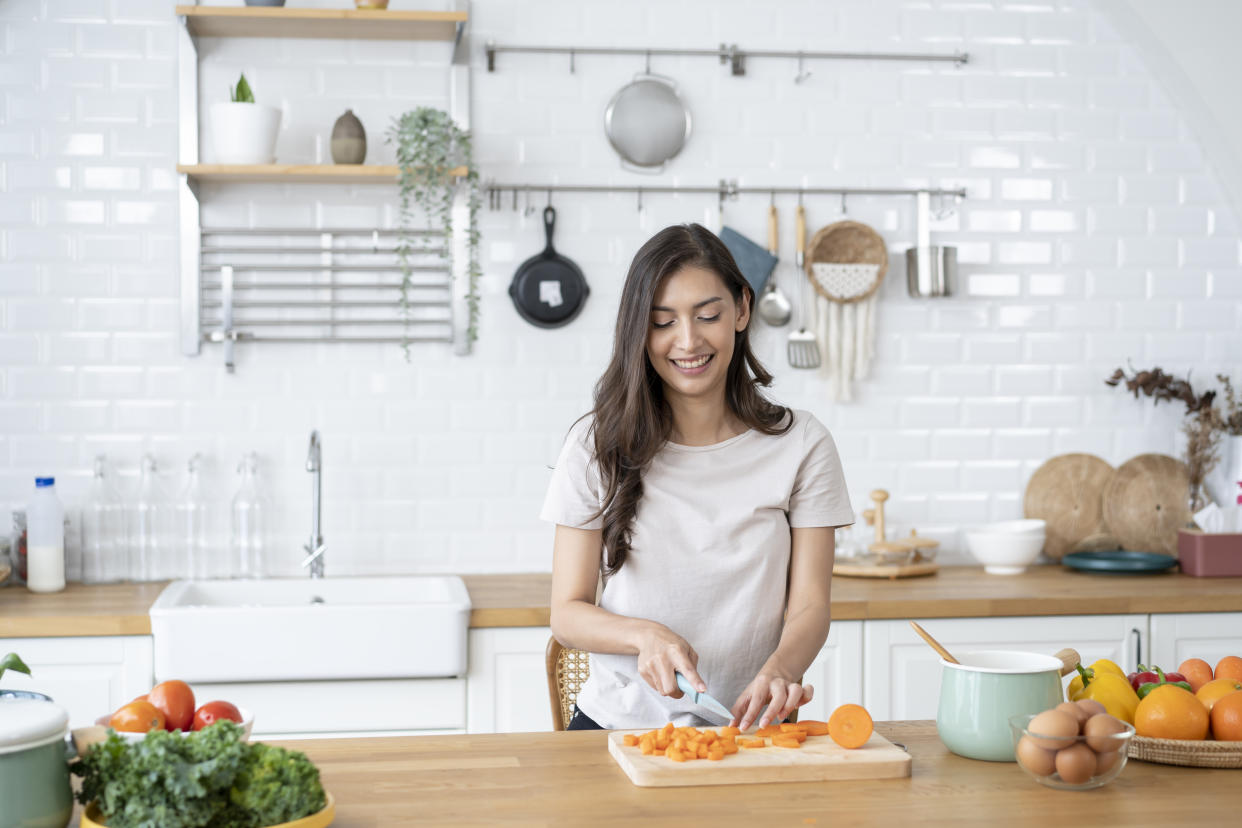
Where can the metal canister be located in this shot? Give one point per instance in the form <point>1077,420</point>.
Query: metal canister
<point>931,271</point>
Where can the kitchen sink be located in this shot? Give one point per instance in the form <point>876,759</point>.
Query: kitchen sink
<point>294,629</point>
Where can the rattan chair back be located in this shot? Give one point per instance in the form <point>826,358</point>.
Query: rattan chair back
<point>567,672</point>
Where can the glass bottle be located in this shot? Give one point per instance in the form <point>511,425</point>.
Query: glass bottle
<point>103,531</point>
<point>194,559</point>
<point>148,532</point>
<point>251,514</point>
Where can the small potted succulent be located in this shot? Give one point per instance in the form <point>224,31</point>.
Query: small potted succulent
<point>242,131</point>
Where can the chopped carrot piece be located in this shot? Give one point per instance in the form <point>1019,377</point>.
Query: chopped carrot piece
<point>708,736</point>
<point>850,726</point>
<point>630,740</point>
<point>814,727</point>
<point>729,730</point>
<point>647,748</point>
<point>729,747</point>
<point>715,755</point>
<point>675,754</point>
<point>702,751</point>
<point>668,728</point>
<point>662,741</point>
<point>789,727</point>
<point>786,740</point>
<point>753,743</point>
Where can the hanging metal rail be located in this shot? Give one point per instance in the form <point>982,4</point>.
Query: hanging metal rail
<point>728,53</point>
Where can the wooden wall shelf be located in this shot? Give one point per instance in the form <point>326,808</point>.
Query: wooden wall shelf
<point>341,24</point>
<point>299,173</point>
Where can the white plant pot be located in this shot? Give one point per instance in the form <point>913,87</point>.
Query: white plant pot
<point>244,133</point>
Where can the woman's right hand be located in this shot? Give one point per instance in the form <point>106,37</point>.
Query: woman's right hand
<point>661,653</point>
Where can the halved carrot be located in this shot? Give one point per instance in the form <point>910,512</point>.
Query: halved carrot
<point>787,740</point>
<point>850,726</point>
<point>814,727</point>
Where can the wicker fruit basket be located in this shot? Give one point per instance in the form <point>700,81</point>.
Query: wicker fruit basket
<point>1192,754</point>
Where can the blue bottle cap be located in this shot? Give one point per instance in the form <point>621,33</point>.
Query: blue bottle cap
<point>40,482</point>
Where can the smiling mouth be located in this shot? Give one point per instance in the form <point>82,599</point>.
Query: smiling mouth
<point>691,364</point>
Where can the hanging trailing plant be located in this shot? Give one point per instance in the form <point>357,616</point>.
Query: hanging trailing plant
<point>429,145</point>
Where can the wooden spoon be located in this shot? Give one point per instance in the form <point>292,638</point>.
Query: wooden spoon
<point>935,645</point>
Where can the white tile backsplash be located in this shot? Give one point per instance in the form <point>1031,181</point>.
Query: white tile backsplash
<point>1095,233</point>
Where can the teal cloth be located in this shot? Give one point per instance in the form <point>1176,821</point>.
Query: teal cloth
<point>755,262</point>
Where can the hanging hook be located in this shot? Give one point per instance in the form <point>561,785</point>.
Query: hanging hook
<point>515,199</point>
<point>640,198</point>
<point>802,74</point>
<point>374,241</point>
<point>571,61</point>
<point>772,199</point>
<point>844,208</point>
<point>799,197</point>
<point>549,196</point>
<point>648,70</point>
<point>529,208</point>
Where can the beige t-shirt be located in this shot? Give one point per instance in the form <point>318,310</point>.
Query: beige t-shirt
<point>709,556</point>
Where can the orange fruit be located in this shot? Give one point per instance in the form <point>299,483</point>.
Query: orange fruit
<point>1227,718</point>
<point>1169,712</point>
<point>1215,689</point>
<point>1229,667</point>
<point>1197,671</point>
<point>137,717</point>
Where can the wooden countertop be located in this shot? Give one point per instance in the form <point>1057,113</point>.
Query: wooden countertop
<point>569,779</point>
<point>521,600</point>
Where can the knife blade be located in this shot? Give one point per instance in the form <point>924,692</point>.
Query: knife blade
<point>702,699</point>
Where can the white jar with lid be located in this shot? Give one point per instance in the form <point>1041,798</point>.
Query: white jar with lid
<point>45,539</point>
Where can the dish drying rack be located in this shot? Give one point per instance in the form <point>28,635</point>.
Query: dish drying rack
<point>321,285</point>
<point>884,558</point>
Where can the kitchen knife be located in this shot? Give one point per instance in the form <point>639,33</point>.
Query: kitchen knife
<point>702,699</point>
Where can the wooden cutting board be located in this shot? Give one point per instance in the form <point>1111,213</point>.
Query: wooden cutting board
<point>1067,492</point>
<point>818,760</point>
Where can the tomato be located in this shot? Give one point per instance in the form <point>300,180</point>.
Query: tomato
<point>137,717</point>
<point>175,700</point>
<point>214,711</point>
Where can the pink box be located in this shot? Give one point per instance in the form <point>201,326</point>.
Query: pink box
<point>1209,555</point>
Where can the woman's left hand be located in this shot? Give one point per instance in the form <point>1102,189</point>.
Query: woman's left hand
<point>781,695</point>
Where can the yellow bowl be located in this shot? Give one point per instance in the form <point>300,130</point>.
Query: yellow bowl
<point>93,819</point>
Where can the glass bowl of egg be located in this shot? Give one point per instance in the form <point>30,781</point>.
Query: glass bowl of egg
<point>1074,746</point>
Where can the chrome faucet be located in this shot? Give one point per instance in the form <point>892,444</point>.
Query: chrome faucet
<point>315,549</point>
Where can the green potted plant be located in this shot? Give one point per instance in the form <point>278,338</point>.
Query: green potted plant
<point>243,131</point>
<point>429,145</point>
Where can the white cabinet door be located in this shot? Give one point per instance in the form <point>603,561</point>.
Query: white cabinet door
<point>507,687</point>
<point>901,674</point>
<point>1210,636</point>
<point>89,676</point>
<point>836,673</point>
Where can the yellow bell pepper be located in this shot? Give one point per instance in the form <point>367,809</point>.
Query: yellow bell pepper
<point>1109,689</point>
<point>1102,665</point>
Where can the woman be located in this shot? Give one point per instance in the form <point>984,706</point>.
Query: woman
<point>708,509</point>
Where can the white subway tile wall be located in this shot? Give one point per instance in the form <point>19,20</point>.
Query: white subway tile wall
<point>1095,234</point>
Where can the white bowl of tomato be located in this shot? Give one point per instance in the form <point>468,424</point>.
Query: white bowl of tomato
<point>170,705</point>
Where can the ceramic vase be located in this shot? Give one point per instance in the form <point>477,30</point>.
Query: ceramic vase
<point>1222,482</point>
<point>244,133</point>
<point>349,140</point>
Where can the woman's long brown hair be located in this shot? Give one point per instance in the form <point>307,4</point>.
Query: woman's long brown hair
<point>632,419</point>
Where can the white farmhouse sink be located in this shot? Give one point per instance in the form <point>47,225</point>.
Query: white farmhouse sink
<point>307,629</point>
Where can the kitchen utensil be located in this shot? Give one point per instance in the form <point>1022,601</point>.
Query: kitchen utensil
<point>846,262</point>
<point>647,122</point>
<point>899,558</point>
<point>819,759</point>
<point>1007,547</point>
<point>1119,561</point>
<point>1204,555</point>
<point>1146,502</point>
<point>702,699</point>
<point>774,307</point>
<point>1067,491</point>
<point>978,696</point>
<point>548,289</point>
<point>802,347</point>
<point>930,270</point>
<point>1114,743</point>
<point>92,818</point>
<point>34,769</point>
<point>755,263</point>
<point>1190,754</point>
<point>935,645</point>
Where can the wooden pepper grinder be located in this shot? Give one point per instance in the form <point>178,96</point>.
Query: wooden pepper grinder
<point>875,516</point>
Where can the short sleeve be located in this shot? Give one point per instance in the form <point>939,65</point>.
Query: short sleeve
<point>574,492</point>
<point>819,496</point>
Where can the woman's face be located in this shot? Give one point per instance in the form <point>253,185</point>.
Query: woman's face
<point>690,338</point>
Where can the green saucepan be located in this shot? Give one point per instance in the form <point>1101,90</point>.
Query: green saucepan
<point>978,695</point>
<point>34,770</point>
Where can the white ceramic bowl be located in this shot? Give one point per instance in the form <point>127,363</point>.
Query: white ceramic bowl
<point>1008,547</point>
<point>247,724</point>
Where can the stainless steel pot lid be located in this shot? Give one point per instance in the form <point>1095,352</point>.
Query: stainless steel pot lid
<point>647,122</point>
<point>28,723</point>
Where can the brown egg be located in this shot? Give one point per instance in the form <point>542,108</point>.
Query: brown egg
<point>1053,729</point>
<point>1074,710</point>
<point>1101,731</point>
<point>1076,764</point>
<point>1034,758</point>
<point>1091,706</point>
<point>1104,762</point>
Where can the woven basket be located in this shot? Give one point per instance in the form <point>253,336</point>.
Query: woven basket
<point>846,242</point>
<point>1191,754</point>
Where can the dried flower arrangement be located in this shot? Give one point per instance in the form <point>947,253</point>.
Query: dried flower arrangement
<point>1204,424</point>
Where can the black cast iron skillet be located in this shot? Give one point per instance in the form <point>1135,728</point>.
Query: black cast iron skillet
<point>548,290</point>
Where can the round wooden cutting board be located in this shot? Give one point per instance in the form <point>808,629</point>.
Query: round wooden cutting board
<point>1067,492</point>
<point>1146,502</point>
